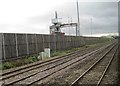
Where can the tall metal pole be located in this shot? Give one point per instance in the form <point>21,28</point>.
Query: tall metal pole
<point>91,27</point>
<point>71,26</point>
<point>78,26</point>
<point>68,27</point>
<point>56,15</point>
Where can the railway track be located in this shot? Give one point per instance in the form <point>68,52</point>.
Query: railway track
<point>40,64</point>
<point>100,65</point>
<point>37,65</point>
<point>29,76</point>
<point>6,72</point>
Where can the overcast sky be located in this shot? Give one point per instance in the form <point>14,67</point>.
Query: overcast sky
<point>34,16</point>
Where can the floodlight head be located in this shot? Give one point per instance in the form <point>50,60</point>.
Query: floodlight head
<point>56,20</point>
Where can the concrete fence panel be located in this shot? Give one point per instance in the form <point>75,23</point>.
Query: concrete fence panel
<point>15,45</point>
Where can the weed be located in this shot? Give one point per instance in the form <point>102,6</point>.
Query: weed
<point>1,67</point>
<point>7,65</point>
<point>32,59</point>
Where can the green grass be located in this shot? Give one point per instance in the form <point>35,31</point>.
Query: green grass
<point>58,53</point>
<point>18,62</point>
<point>64,52</point>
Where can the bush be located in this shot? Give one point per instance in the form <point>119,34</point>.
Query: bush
<point>32,59</point>
<point>18,62</point>
<point>1,67</point>
<point>8,65</point>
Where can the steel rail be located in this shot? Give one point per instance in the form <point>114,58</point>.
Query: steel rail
<point>40,65</point>
<point>107,67</point>
<point>31,83</point>
<point>76,80</point>
<point>85,56</point>
<point>56,71</point>
<point>21,68</point>
<point>36,66</point>
<point>30,65</point>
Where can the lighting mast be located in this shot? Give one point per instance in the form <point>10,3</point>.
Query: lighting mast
<point>91,27</point>
<point>78,26</point>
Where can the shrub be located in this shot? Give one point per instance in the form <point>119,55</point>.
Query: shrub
<point>32,59</point>
<point>1,67</point>
<point>7,65</point>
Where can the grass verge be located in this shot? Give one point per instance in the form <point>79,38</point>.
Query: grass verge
<point>18,62</point>
<point>64,52</point>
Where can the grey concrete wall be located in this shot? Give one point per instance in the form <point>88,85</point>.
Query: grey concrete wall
<point>18,45</point>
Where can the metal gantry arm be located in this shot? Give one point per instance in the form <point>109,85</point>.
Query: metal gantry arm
<point>57,27</point>
<point>68,25</point>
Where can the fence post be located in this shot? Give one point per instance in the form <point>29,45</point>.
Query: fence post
<point>43,42</point>
<point>16,44</point>
<point>27,44</point>
<point>55,42</point>
<point>4,47</point>
<point>49,41</point>
<point>36,43</point>
<point>1,47</point>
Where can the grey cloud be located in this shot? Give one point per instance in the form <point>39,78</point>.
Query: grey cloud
<point>104,16</point>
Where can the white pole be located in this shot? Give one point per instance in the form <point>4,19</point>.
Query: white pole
<point>68,27</point>
<point>91,27</point>
<point>71,26</point>
<point>78,26</point>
